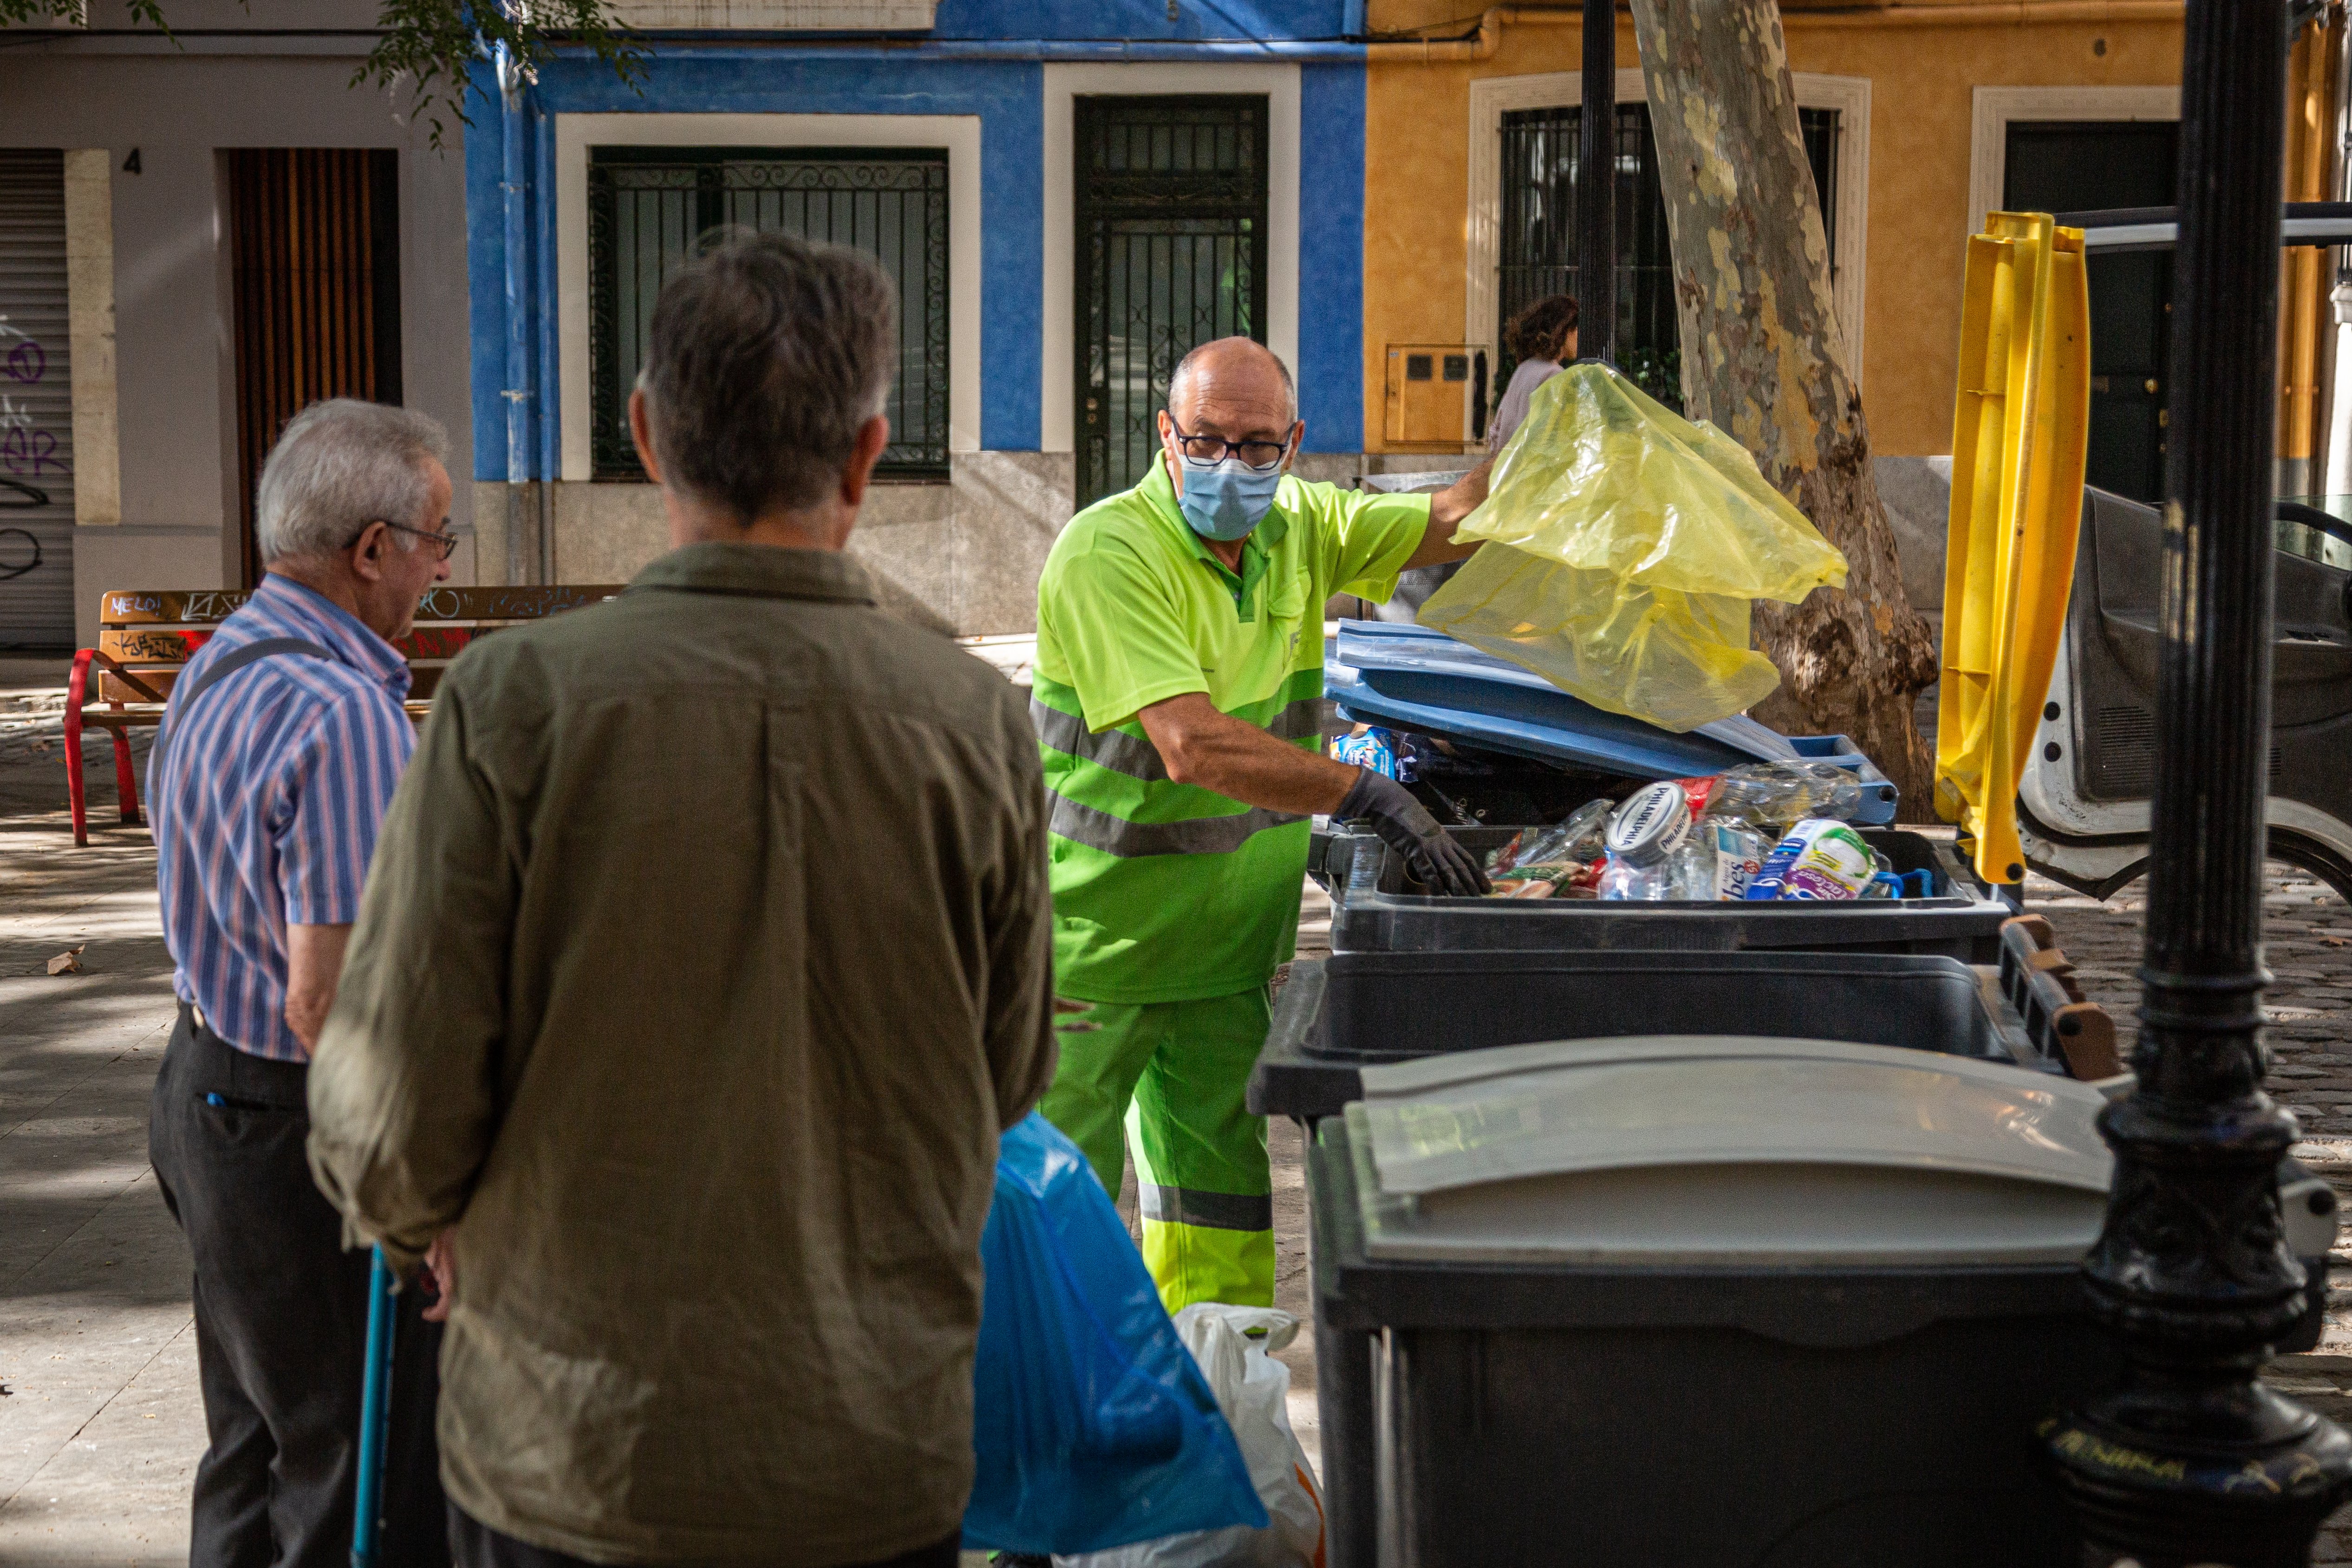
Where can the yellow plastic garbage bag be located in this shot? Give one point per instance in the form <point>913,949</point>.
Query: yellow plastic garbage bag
<point>1625,547</point>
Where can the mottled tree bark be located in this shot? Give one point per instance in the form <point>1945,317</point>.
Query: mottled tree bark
<point>1764,359</point>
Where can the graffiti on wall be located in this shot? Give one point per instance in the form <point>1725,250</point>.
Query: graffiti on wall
<point>27,450</point>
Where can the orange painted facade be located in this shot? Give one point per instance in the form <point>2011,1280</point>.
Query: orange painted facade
<point>1922,87</point>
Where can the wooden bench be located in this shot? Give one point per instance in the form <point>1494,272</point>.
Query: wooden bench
<point>144,639</point>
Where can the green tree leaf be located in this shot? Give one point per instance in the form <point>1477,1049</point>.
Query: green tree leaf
<point>432,45</point>
<point>428,47</point>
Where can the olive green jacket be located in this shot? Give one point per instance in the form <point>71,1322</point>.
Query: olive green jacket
<point>706,949</point>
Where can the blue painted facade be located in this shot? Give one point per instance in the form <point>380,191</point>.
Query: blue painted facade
<point>1146,21</point>
<point>984,58</point>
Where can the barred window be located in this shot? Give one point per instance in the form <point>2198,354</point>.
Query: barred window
<point>650,207</point>
<point>1538,238</point>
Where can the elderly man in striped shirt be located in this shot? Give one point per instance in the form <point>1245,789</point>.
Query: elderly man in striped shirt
<point>280,751</point>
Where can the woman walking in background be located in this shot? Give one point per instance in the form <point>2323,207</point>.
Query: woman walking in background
<point>1542,338</point>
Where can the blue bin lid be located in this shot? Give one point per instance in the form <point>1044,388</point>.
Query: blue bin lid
<point>1411,677</point>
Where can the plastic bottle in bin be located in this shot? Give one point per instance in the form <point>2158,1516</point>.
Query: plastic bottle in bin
<point>1643,837</point>
<point>1561,861</point>
<point>1717,861</point>
<point>1820,859</point>
<point>1770,794</point>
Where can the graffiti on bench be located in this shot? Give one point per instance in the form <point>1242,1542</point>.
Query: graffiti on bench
<point>506,603</point>
<point>202,604</point>
<point>157,647</point>
<point>438,642</point>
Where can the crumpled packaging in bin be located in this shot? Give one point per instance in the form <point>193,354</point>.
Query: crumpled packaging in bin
<point>1625,547</point>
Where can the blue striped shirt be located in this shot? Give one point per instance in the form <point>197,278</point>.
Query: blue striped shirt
<point>266,805</point>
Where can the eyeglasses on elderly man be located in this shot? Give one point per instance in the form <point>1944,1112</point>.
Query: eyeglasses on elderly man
<point>443,540</point>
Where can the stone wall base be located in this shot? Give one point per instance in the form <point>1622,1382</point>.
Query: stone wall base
<point>961,557</point>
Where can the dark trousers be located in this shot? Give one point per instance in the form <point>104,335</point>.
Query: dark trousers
<point>477,1545</point>
<point>281,1326</point>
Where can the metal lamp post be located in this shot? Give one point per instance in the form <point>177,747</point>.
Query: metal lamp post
<point>2193,1460</point>
<point>1596,187</point>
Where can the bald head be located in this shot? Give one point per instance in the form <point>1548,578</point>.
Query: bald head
<point>1229,400</point>
<point>1242,379</point>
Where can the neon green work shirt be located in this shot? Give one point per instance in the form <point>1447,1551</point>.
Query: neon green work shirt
<point>1164,891</point>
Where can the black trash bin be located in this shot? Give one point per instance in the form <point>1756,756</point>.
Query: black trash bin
<point>1378,909</point>
<point>1729,1302</point>
<point>1339,1015</point>
<point>1642,1353</point>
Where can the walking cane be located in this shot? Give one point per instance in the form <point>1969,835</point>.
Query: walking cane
<point>375,1415</point>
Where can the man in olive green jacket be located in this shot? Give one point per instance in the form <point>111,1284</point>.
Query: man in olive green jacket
<point>706,951</point>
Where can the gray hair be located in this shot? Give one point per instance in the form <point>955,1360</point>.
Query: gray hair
<point>767,356</point>
<point>339,466</point>
<point>1188,367</point>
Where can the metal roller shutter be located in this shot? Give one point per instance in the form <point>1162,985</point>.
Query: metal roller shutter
<point>35,405</point>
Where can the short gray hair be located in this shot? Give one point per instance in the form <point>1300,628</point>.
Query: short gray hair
<point>767,356</point>
<point>339,466</point>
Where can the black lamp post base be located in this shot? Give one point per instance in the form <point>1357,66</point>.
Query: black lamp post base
<point>2248,1490</point>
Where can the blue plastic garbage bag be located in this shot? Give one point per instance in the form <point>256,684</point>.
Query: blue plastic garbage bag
<point>1093,1426</point>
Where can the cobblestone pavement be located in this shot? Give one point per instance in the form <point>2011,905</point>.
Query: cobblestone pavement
<point>2308,943</point>
<point>100,1421</point>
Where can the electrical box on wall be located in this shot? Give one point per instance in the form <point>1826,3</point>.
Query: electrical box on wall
<point>1436,394</point>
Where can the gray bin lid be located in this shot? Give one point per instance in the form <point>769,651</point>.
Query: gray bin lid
<point>1726,1150</point>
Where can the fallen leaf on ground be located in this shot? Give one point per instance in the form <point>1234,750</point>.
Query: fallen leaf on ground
<point>2334,941</point>
<point>67,962</point>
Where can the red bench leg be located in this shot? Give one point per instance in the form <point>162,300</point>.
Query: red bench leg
<point>75,686</point>
<point>126,777</point>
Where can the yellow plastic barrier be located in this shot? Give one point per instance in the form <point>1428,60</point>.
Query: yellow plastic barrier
<point>2017,431</point>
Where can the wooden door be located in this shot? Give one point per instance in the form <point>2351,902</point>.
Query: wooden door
<point>314,246</point>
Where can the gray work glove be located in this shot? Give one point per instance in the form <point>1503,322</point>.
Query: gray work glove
<point>1405,825</point>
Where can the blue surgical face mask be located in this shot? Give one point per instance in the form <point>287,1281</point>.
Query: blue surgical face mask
<point>1226,498</point>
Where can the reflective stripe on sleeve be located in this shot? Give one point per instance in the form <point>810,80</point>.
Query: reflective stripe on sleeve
<point>1113,749</point>
<point>1198,836</point>
<point>1136,757</point>
<point>1209,1210</point>
<point>1299,720</point>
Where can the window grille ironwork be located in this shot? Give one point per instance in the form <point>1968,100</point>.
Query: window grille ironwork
<point>1171,231</point>
<point>651,208</point>
<point>1538,240</point>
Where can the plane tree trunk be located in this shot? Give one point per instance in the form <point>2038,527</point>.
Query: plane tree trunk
<point>1765,360</point>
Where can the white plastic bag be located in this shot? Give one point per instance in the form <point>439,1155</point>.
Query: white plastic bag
<point>1234,1346</point>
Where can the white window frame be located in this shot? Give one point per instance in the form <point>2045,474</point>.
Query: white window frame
<point>1492,97</point>
<point>576,133</point>
<point>1057,412</point>
<point>1993,108</point>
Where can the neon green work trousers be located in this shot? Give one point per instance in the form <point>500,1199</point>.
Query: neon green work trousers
<point>1166,1080</point>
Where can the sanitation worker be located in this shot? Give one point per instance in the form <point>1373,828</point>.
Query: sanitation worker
<point>1177,683</point>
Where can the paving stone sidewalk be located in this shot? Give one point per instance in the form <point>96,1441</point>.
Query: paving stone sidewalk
<point>100,1420</point>
<point>101,1423</point>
